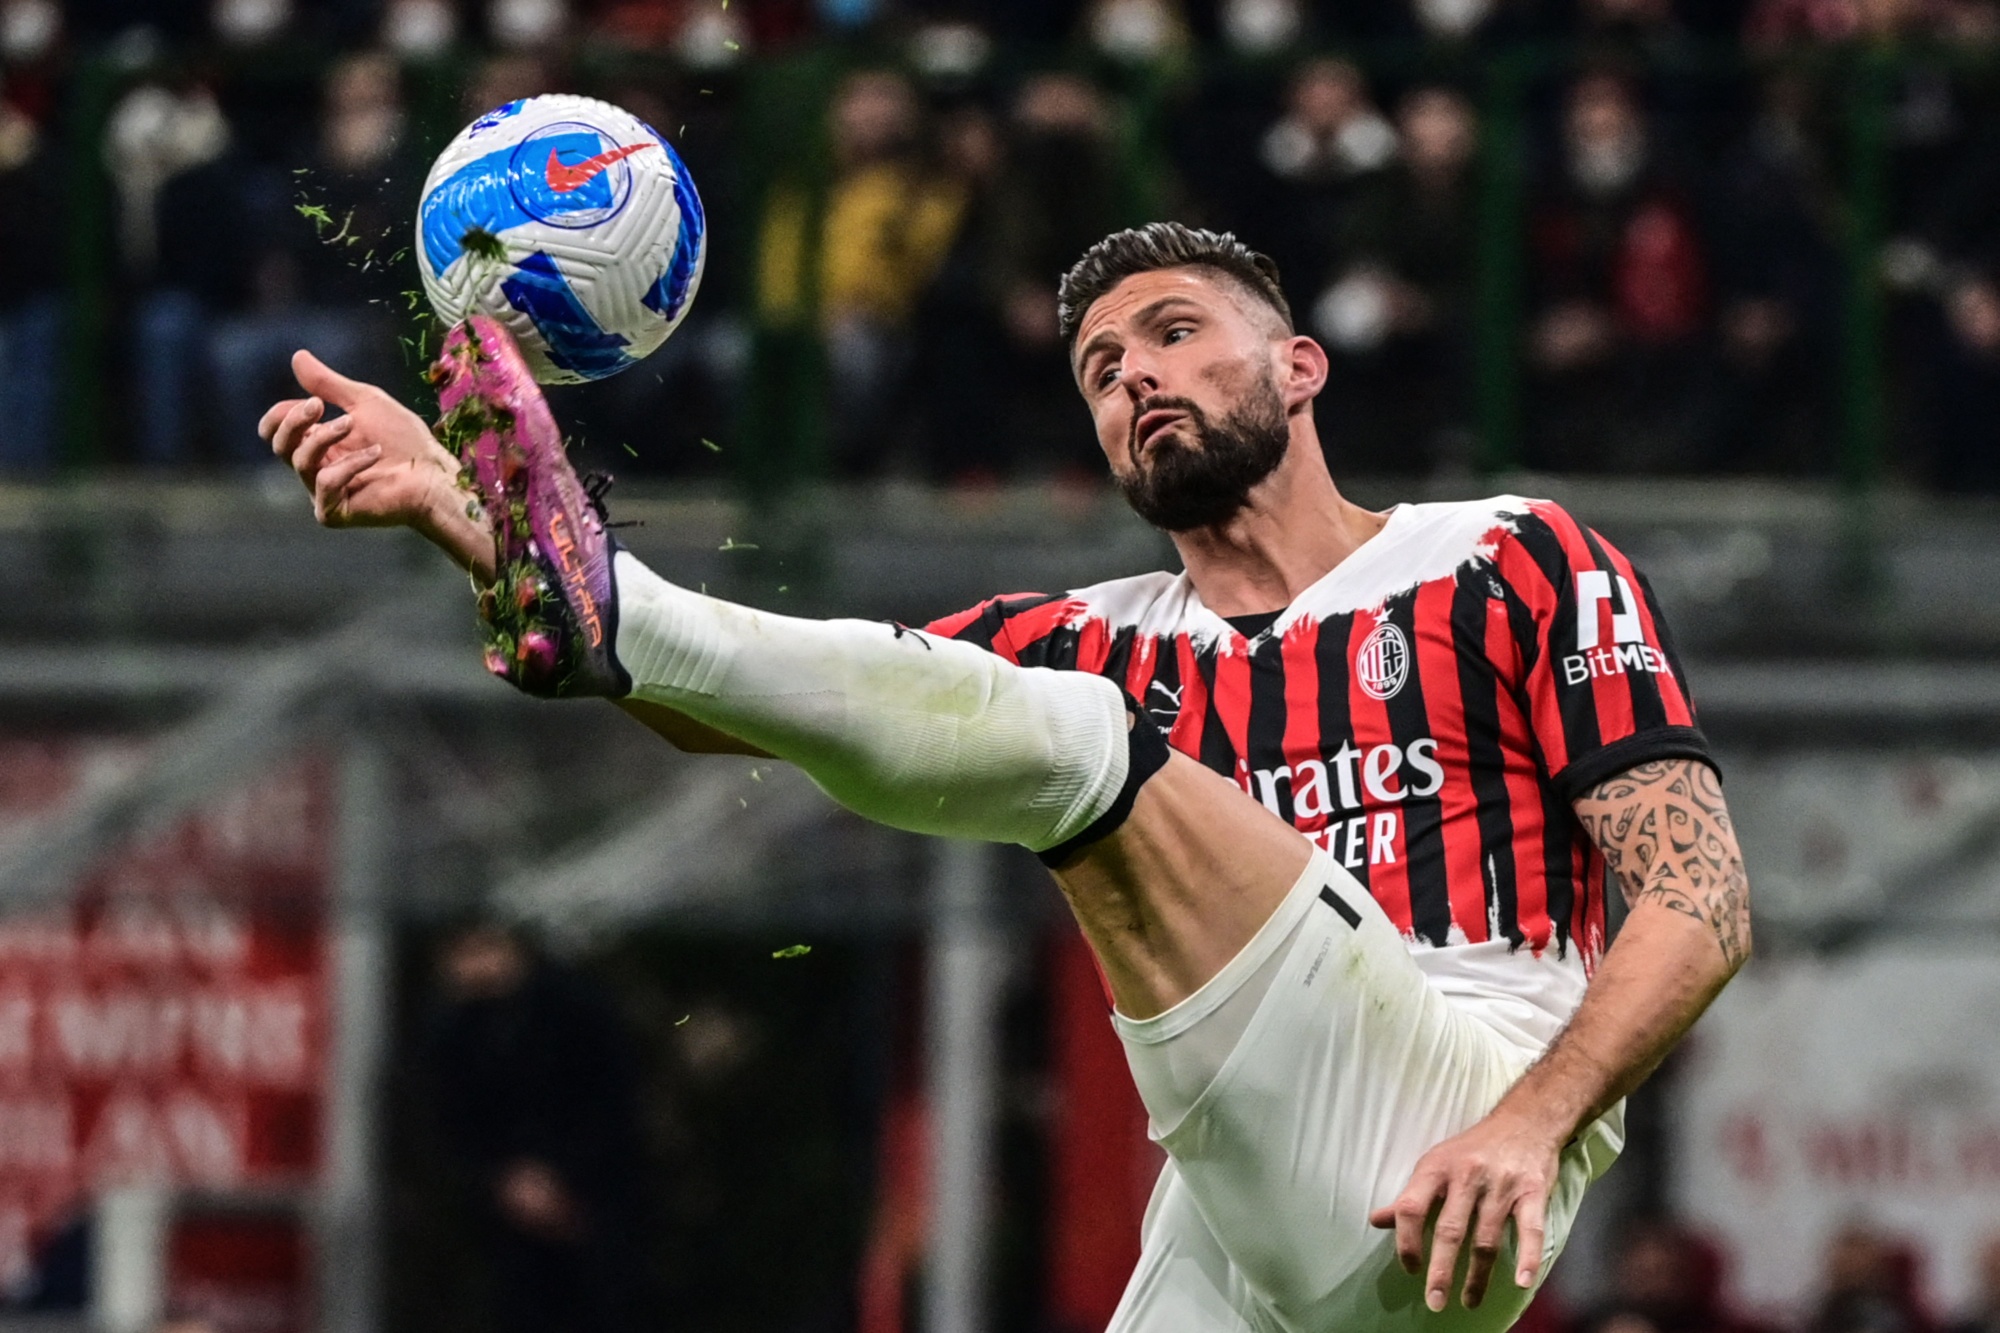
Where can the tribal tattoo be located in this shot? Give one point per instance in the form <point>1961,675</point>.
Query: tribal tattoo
<point>1667,838</point>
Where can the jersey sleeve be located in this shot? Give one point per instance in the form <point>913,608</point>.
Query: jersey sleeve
<point>1603,684</point>
<point>1026,628</point>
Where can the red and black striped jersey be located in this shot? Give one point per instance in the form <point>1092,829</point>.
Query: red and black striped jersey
<point>1426,712</point>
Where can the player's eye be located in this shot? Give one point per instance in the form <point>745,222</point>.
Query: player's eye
<point>1174,334</point>
<point>1106,374</point>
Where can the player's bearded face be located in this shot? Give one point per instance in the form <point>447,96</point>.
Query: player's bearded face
<point>1181,484</point>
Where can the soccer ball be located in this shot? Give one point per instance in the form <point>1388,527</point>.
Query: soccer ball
<point>571,222</point>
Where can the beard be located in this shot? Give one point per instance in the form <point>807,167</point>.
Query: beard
<point>1179,486</point>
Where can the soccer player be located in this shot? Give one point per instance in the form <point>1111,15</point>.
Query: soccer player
<point>1334,806</point>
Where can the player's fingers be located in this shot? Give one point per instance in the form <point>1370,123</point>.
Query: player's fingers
<point>318,378</point>
<point>317,441</point>
<point>1408,1214</point>
<point>1489,1228</point>
<point>1447,1237</point>
<point>1530,1228</point>
<point>294,424</point>
<point>330,487</point>
<point>267,425</point>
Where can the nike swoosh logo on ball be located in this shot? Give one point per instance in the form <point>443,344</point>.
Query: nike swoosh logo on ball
<point>563,177</point>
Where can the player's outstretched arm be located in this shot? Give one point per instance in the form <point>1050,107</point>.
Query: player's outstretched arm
<point>377,465</point>
<point>1667,838</point>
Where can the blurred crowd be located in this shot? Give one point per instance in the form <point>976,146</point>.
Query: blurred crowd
<point>1600,236</point>
<point>1669,1279</point>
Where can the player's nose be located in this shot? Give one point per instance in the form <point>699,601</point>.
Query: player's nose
<point>1139,377</point>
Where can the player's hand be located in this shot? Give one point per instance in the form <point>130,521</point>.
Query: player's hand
<point>1500,1168</point>
<point>376,466</point>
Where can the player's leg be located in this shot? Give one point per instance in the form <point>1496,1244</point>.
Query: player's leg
<point>918,732</point>
<point>1183,1282</point>
<point>1295,1092</point>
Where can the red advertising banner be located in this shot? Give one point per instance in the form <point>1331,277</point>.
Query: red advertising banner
<point>239,1273</point>
<point>170,1023</point>
<point>1102,1166</point>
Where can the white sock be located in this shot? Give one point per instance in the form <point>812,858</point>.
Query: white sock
<point>906,728</point>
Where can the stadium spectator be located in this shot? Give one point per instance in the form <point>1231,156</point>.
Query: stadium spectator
<point>1398,317</point>
<point>1870,1286</point>
<point>33,51</point>
<point>1455,20</point>
<point>310,257</point>
<point>1136,33</point>
<point>1932,109</point>
<point>328,279</point>
<point>961,390</point>
<point>503,78</point>
<point>1057,191</point>
<point>171,161</point>
<point>1777,287</point>
<point>1210,128</point>
<point>31,324</point>
<point>1621,295</point>
<point>1940,209</point>
<point>1329,142</point>
<point>537,1088</point>
<point>1780,22</point>
<point>1645,29</point>
<point>527,25</point>
<point>885,226</point>
<point>1985,1314</point>
<point>1260,28</point>
<point>365,176</point>
<point>419,29</point>
<point>1449,29</point>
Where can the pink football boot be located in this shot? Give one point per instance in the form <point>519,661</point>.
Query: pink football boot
<point>551,614</point>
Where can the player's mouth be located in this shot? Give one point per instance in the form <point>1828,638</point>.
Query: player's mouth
<point>1153,426</point>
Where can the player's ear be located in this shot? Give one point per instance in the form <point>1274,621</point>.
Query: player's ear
<point>1302,370</point>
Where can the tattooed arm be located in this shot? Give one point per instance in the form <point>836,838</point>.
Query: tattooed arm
<point>1668,841</point>
<point>1671,848</point>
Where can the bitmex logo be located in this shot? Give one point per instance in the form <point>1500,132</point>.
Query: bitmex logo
<point>1628,649</point>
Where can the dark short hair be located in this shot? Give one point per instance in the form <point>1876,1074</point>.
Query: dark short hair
<point>1159,245</point>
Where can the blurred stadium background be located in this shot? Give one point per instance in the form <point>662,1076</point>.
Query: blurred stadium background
<point>342,990</point>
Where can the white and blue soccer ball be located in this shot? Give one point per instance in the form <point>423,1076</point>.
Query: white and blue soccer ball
<point>571,222</point>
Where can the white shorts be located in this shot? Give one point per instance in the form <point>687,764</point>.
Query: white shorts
<point>1352,1066</point>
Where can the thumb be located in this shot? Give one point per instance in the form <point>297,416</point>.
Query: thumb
<point>323,381</point>
<point>1383,1218</point>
